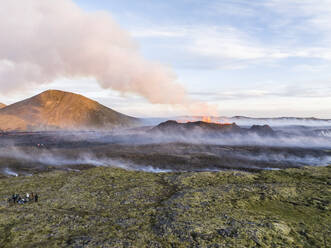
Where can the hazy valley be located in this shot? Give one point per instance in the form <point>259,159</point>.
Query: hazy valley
<point>109,180</point>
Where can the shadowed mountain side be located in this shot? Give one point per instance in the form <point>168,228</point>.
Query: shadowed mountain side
<point>55,109</point>
<point>263,130</point>
<point>2,105</point>
<point>176,127</point>
<point>204,128</point>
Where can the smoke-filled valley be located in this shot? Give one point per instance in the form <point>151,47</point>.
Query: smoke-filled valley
<point>169,146</point>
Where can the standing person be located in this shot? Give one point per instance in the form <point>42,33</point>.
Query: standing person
<point>36,197</point>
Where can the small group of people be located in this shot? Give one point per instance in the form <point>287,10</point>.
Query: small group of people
<point>29,197</point>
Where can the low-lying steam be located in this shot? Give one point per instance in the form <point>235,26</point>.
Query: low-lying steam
<point>168,147</point>
<point>55,159</point>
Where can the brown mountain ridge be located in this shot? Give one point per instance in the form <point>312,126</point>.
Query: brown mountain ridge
<point>54,109</point>
<point>2,105</point>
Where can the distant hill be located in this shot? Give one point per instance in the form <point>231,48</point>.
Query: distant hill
<point>2,105</point>
<point>54,109</point>
<point>248,121</point>
<point>281,121</point>
<point>204,128</point>
<point>174,127</point>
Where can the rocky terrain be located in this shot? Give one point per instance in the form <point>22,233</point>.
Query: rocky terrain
<point>55,110</point>
<point>29,153</point>
<point>108,207</point>
<point>203,128</point>
<point>2,105</point>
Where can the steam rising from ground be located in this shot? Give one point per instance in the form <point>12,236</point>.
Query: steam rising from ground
<point>56,159</point>
<point>303,141</point>
<point>157,152</point>
<point>43,40</point>
<point>9,172</point>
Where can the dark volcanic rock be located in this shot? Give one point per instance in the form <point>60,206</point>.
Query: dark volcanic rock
<point>204,128</point>
<point>173,127</point>
<point>262,130</point>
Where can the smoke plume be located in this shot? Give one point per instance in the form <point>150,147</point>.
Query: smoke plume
<point>43,40</point>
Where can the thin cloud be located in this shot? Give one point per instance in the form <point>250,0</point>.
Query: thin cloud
<point>223,44</point>
<point>307,90</point>
<point>250,33</point>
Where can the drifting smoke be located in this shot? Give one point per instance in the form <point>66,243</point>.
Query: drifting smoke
<point>9,172</point>
<point>43,40</point>
<point>151,151</point>
<point>56,159</point>
<point>157,152</point>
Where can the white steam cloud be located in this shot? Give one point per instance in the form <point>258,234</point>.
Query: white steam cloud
<point>62,161</point>
<point>43,40</point>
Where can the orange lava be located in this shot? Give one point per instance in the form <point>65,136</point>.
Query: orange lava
<point>207,119</point>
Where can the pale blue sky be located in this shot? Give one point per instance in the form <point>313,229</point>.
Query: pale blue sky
<point>250,57</point>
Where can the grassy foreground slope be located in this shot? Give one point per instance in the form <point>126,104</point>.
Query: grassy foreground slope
<point>106,207</point>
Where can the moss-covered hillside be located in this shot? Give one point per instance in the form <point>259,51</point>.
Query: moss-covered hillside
<point>106,207</point>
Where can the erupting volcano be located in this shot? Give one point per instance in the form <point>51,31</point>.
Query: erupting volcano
<point>206,119</point>
<point>209,119</point>
<point>202,128</point>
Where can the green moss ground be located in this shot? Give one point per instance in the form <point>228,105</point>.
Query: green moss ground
<point>107,207</point>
